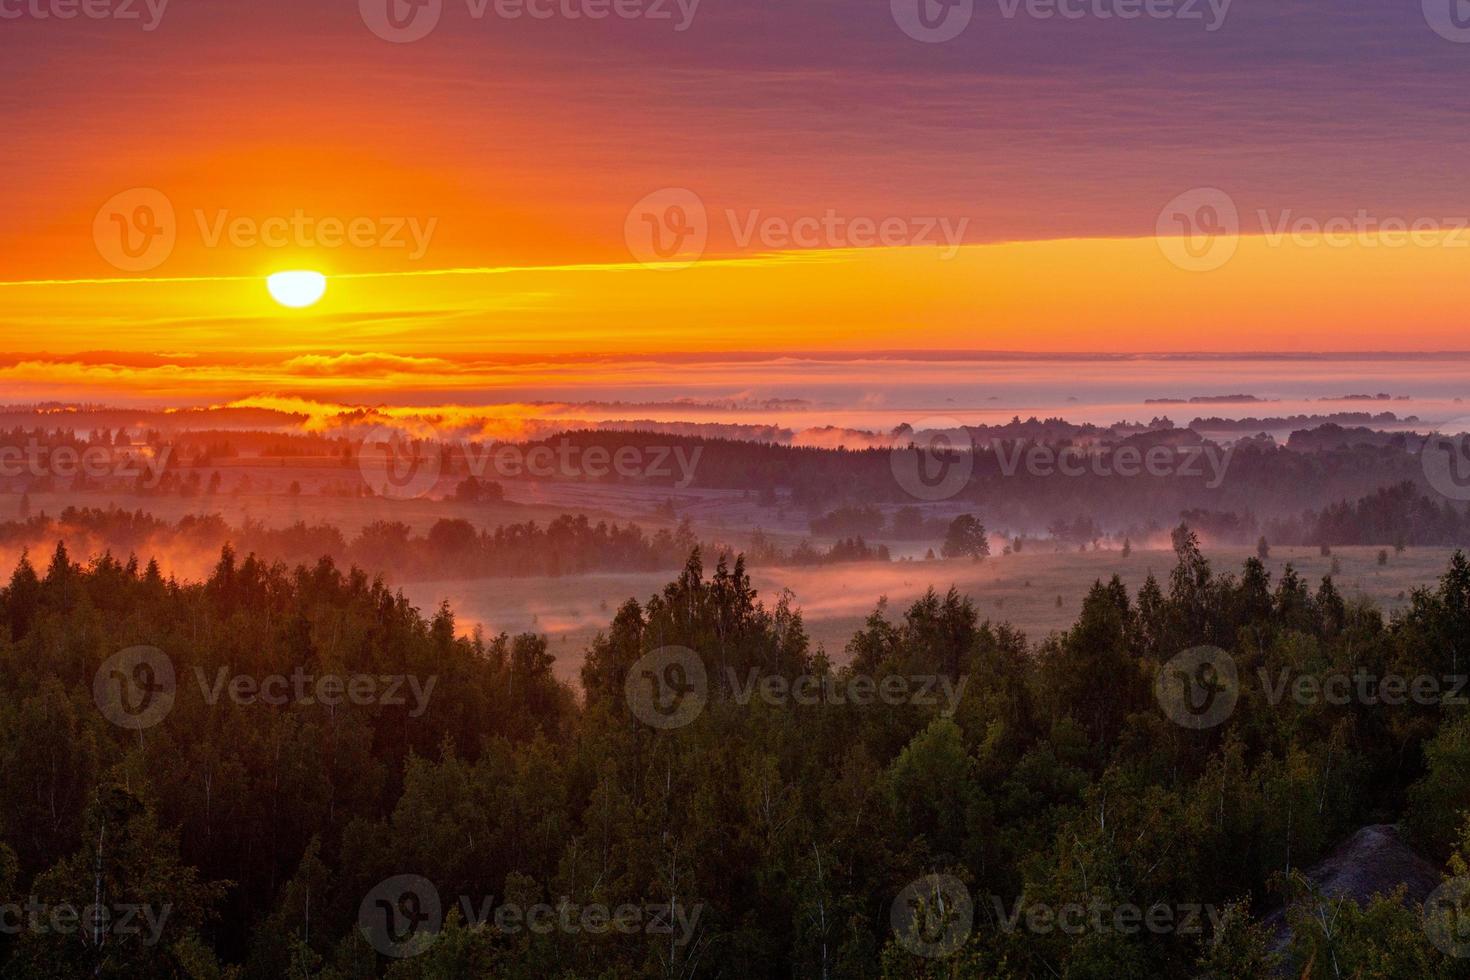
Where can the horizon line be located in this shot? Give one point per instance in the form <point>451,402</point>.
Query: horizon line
<point>918,354</point>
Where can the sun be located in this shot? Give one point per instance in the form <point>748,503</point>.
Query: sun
<point>296,289</point>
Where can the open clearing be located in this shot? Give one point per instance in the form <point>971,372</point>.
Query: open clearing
<point>836,599</point>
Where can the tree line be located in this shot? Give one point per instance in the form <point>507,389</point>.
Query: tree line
<point>793,826</point>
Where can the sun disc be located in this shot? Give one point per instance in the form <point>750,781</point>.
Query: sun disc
<point>296,289</point>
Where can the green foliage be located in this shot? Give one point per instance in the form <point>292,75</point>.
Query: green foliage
<point>966,538</point>
<point>785,831</point>
<point>1439,802</point>
<point>1240,948</point>
<point>1335,937</point>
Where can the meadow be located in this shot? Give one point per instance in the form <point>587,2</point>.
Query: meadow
<point>835,600</point>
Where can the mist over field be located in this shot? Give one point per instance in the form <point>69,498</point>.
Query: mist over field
<point>680,490</point>
<point>1015,607</point>
<point>524,537</point>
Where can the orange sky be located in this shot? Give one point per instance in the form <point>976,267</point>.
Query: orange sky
<point>1050,150</point>
<point>1106,295</point>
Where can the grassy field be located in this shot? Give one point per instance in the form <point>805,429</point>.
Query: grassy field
<point>1039,592</point>
<point>348,513</point>
<point>1020,589</point>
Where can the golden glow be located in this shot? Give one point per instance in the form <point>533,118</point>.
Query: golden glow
<point>1065,295</point>
<point>297,289</point>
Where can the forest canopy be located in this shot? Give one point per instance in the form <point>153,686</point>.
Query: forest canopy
<point>292,772</point>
